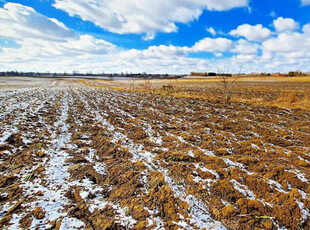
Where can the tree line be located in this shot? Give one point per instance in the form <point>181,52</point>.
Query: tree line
<point>89,74</point>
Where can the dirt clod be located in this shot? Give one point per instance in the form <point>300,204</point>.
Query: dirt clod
<point>39,213</point>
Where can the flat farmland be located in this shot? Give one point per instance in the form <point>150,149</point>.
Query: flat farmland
<point>91,154</point>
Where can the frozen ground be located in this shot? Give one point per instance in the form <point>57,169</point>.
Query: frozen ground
<point>74,156</point>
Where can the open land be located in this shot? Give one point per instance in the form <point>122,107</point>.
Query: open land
<point>97,154</point>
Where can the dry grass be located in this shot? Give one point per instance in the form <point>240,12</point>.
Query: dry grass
<point>194,80</point>
<point>284,92</point>
<point>294,100</point>
<point>84,82</point>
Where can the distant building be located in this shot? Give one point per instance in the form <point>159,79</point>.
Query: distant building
<point>279,75</point>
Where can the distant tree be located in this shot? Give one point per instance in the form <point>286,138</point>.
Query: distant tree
<point>294,73</point>
<point>132,82</point>
<point>212,74</point>
<point>228,82</point>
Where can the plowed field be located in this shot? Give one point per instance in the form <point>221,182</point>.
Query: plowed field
<point>73,156</point>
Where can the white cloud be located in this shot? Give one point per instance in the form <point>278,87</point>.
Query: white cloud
<point>156,60</point>
<point>244,58</point>
<point>148,36</point>
<point>142,16</point>
<point>59,49</point>
<point>252,33</point>
<point>221,5</point>
<point>89,44</point>
<point>287,43</point>
<point>21,22</point>
<point>40,50</point>
<point>306,29</point>
<point>48,45</point>
<point>285,24</point>
<point>155,52</point>
<point>291,45</point>
<point>305,2</point>
<point>41,38</point>
<point>212,45</point>
<point>211,30</point>
<point>244,47</point>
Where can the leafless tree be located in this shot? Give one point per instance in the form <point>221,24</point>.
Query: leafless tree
<point>228,83</point>
<point>132,83</point>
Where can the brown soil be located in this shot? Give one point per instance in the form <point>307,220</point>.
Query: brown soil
<point>247,165</point>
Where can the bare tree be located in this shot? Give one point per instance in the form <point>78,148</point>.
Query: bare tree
<point>228,83</point>
<point>132,83</point>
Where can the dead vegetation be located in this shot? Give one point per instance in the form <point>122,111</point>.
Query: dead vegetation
<point>284,93</point>
<point>96,158</point>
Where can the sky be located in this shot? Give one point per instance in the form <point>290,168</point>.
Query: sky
<point>175,36</point>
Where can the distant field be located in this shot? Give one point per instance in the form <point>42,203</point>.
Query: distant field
<point>285,92</point>
<point>98,154</point>
<point>193,79</point>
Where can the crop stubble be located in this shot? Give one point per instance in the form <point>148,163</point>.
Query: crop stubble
<point>75,156</point>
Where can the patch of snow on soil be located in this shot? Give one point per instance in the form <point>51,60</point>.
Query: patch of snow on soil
<point>304,210</point>
<point>204,169</point>
<point>233,164</point>
<point>243,189</point>
<point>278,186</point>
<point>56,174</point>
<point>71,224</point>
<point>200,216</point>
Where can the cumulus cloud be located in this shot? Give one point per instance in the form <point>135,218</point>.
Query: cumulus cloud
<point>89,44</point>
<point>142,16</point>
<point>21,22</point>
<point>155,52</point>
<point>221,5</point>
<point>306,29</point>
<point>148,36</point>
<point>136,61</point>
<point>285,24</point>
<point>252,33</point>
<point>155,59</point>
<point>172,59</point>
<point>212,45</point>
<point>244,58</point>
<point>245,47</point>
<point>46,44</point>
<point>287,42</point>
<point>56,48</point>
<point>289,45</point>
<point>86,47</point>
<point>212,31</point>
<point>40,37</point>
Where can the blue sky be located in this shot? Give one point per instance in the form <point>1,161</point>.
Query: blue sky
<point>155,36</point>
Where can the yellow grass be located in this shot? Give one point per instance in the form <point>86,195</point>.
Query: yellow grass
<point>292,99</point>
<point>85,82</point>
<point>216,79</point>
<point>117,88</point>
<point>193,88</point>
